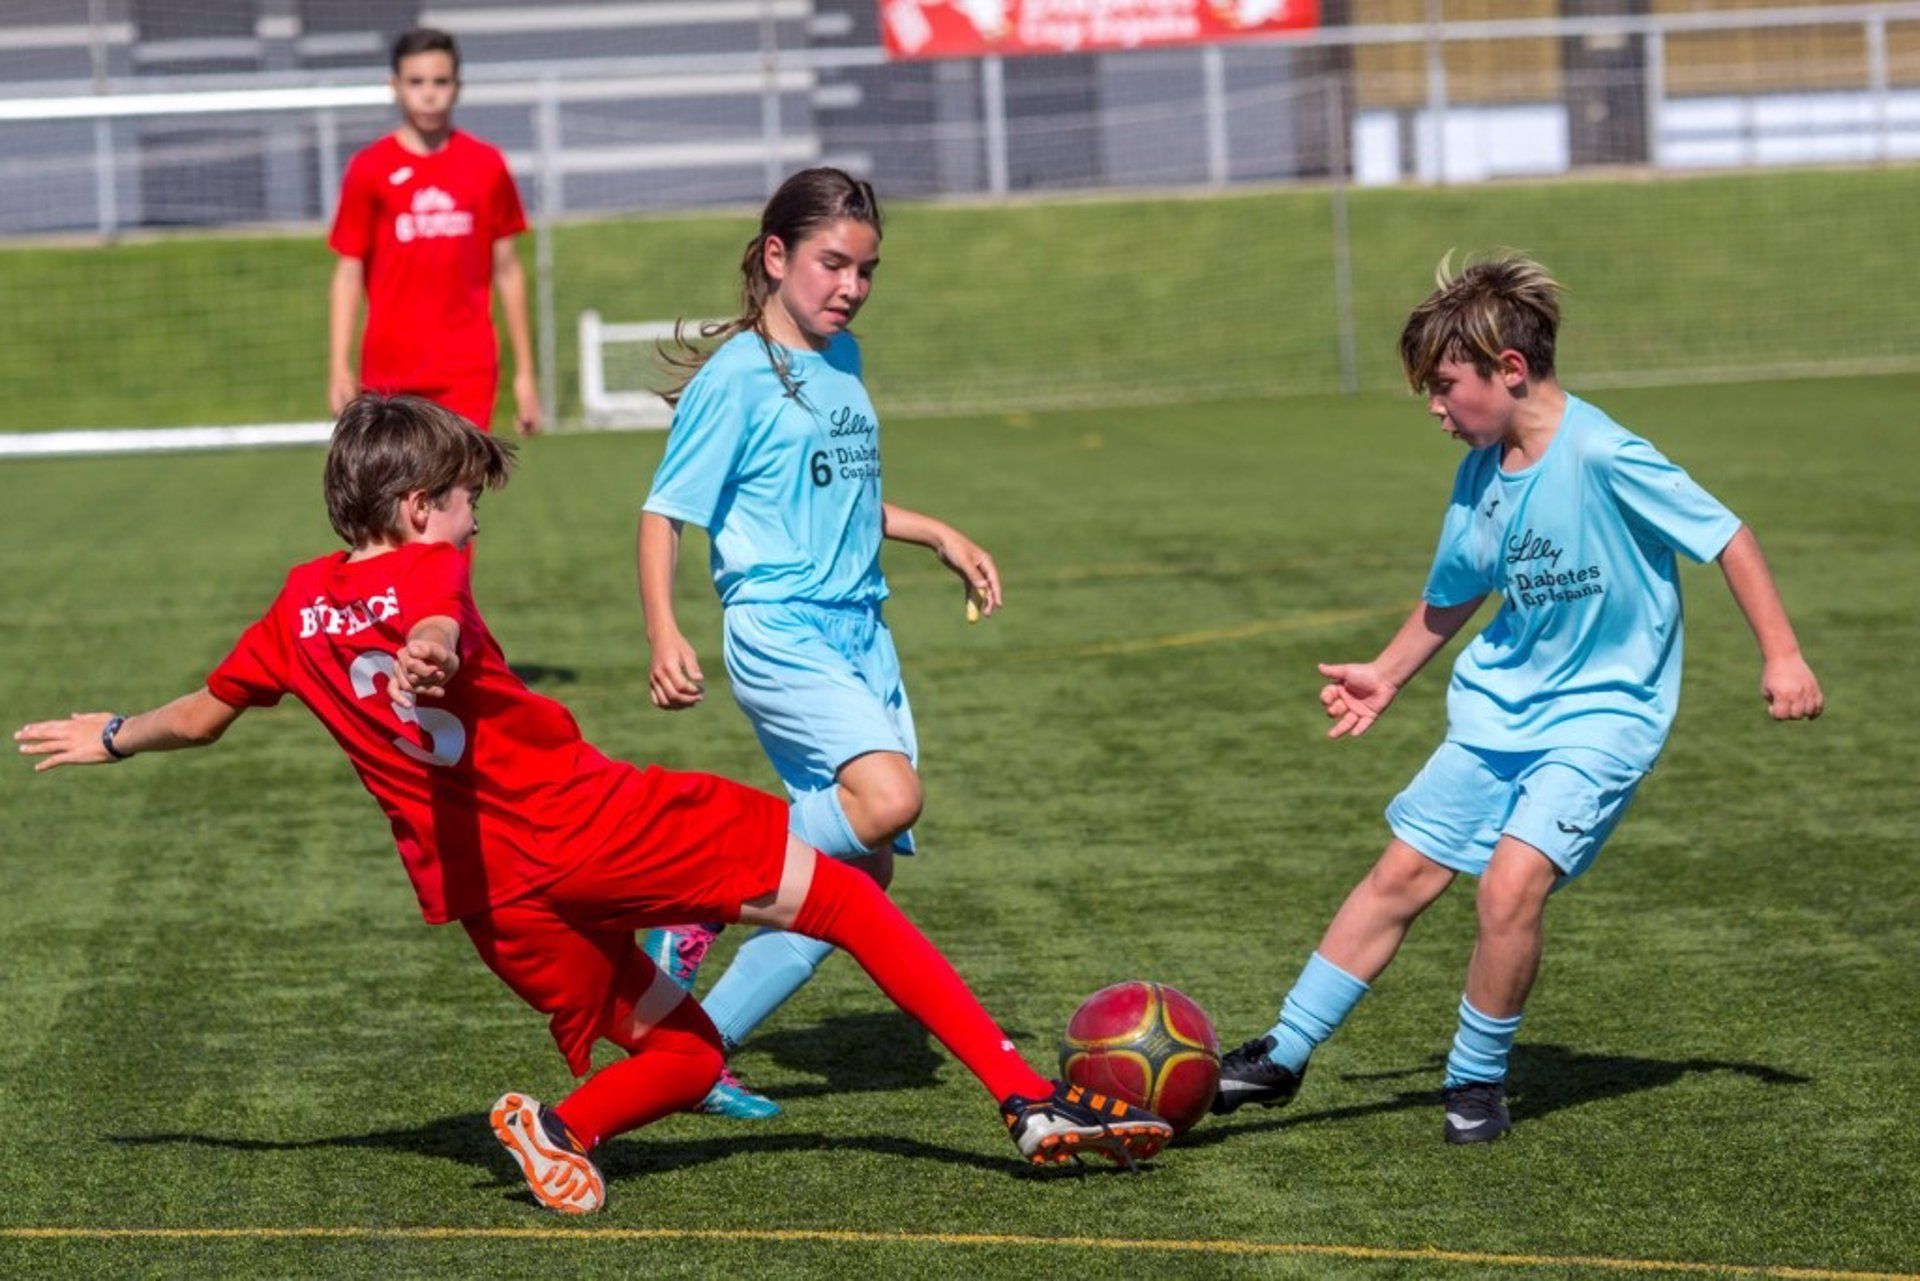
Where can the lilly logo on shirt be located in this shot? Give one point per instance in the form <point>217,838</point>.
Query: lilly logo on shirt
<point>433,215</point>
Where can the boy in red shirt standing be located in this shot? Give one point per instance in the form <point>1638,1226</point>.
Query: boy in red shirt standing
<point>549,854</point>
<point>425,232</point>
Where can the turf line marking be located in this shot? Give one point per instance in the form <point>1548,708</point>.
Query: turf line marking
<point>1142,571</point>
<point>1171,640</point>
<point>1244,631</point>
<point>823,1236</point>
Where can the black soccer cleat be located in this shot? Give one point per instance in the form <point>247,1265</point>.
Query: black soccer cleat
<point>1476,1111</point>
<point>1247,1075</point>
<point>1073,1120</point>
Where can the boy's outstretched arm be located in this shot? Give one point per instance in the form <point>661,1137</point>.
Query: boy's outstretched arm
<point>428,660</point>
<point>192,720</point>
<point>1357,693</point>
<point>1786,682</point>
<point>956,551</point>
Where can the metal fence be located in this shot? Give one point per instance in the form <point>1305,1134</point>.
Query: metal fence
<point>138,115</point>
<point>743,91</point>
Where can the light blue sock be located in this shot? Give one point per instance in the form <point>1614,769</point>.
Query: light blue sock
<point>1320,1001</point>
<point>1480,1047</point>
<point>774,964</point>
<point>769,967</point>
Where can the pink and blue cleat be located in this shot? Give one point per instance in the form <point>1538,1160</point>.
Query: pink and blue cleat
<point>731,1099</point>
<point>679,949</point>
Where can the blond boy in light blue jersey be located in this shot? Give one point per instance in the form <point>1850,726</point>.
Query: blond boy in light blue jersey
<point>1555,712</point>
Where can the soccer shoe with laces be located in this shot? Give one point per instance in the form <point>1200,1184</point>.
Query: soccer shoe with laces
<point>1476,1111</point>
<point>679,949</point>
<point>1247,1075</point>
<point>1073,1120</point>
<point>731,1099</point>
<point>554,1162</point>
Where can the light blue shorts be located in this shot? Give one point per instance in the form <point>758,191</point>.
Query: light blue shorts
<point>821,685</point>
<point>1563,801</point>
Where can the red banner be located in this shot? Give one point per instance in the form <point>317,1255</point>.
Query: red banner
<point>973,28</point>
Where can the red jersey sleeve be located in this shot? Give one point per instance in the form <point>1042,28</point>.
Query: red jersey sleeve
<point>255,673</point>
<point>439,584</point>
<point>507,217</point>
<point>353,221</point>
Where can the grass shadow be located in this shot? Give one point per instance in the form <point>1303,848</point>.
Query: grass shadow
<point>876,1052</point>
<point>1542,1080</point>
<point>465,1139</point>
<point>543,674</point>
<point>1548,1078</point>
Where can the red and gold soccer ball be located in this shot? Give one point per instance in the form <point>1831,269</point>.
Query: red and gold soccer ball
<point>1146,1043</point>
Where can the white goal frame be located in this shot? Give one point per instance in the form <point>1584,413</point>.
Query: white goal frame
<point>628,408</point>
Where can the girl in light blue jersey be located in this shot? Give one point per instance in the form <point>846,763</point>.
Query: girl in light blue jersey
<point>775,452</point>
<point>1555,712</point>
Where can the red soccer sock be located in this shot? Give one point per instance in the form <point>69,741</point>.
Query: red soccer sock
<point>672,1068</point>
<point>846,909</point>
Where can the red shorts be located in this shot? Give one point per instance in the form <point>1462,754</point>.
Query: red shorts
<point>705,846</point>
<point>469,395</point>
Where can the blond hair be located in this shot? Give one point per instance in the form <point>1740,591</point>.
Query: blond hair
<point>1506,302</point>
<point>385,447</point>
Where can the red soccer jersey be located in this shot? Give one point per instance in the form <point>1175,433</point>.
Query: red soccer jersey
<point>425,226</point>
<point>491,790</point>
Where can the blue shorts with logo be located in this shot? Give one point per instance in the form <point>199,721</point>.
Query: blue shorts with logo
<point>821,685</point>
<point>1563,801</point>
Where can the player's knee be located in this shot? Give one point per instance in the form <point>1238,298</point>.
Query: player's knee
<point>1508,904</point>
<point>686,1034</point>
<point>890,805</point>
<point>1407,884</point>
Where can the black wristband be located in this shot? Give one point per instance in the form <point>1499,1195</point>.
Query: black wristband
<point>107,732</point>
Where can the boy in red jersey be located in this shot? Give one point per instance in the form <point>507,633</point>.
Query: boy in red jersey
<point>547,852</point>
<point>425,232</point>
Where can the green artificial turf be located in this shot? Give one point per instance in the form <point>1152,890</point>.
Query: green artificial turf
<point>222,1011</point>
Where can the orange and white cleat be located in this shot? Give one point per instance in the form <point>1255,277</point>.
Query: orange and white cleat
<point>1074,1120</point>
<point>554,1162</point>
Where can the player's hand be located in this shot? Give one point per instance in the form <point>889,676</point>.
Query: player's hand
<point>527,417</point>
<point>73,741</point>
<point>342,387</point>
<point>673,678</point>
<point>976,569</point>
<point>422,668</point>
<point>1354,696</point>
<point>1791,692</point>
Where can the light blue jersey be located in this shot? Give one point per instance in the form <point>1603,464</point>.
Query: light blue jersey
<point>1585,651</point>
<point>787,486</point>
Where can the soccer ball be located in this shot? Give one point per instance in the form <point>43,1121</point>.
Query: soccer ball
<point>1148,1044</point>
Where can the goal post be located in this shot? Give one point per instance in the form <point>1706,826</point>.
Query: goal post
<point>623,390</point>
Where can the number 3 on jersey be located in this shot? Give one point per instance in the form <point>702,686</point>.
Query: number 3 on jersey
<point>447,734</point>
